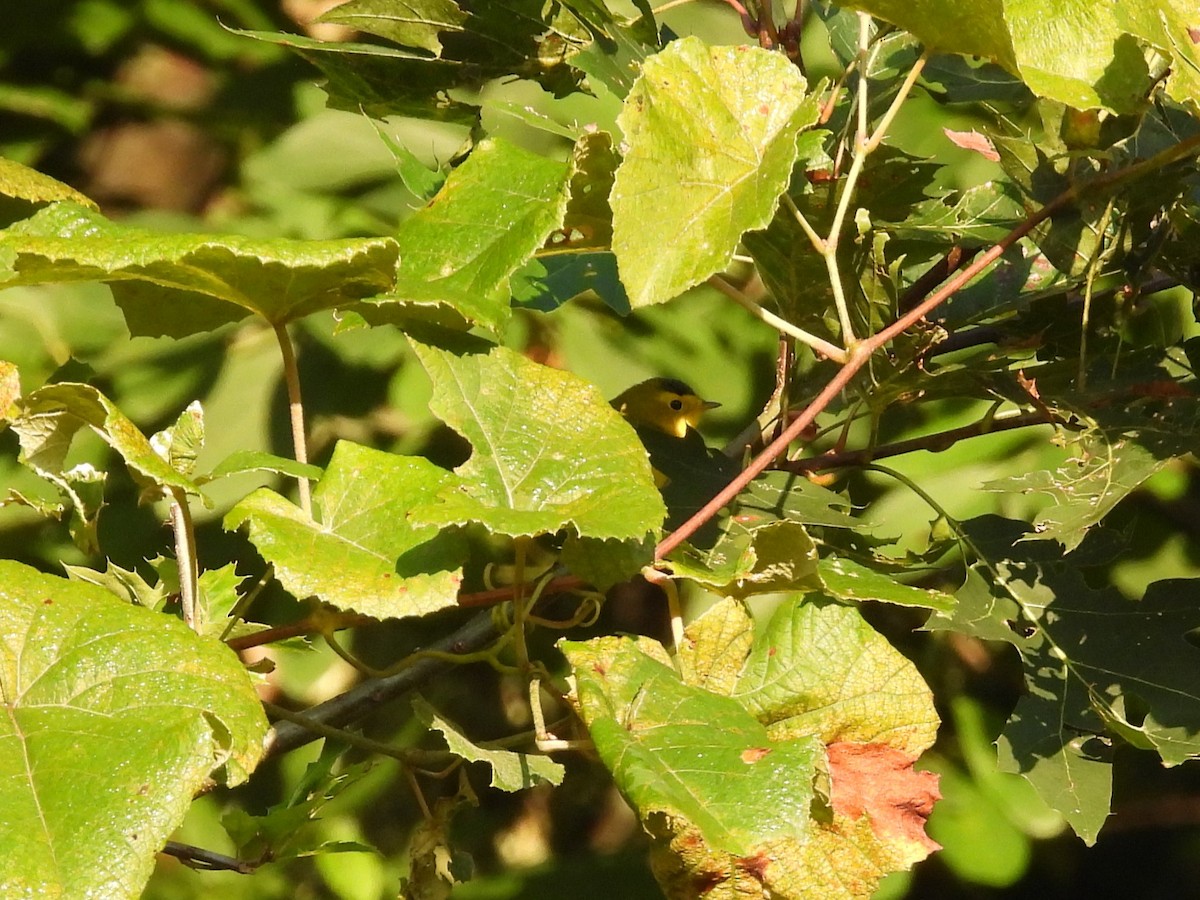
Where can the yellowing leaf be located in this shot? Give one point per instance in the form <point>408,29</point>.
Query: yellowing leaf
<point>710,139</point>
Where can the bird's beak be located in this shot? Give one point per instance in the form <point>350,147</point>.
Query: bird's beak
<point>710,404</point>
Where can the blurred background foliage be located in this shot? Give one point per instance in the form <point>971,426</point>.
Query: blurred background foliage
<point>169,120</point>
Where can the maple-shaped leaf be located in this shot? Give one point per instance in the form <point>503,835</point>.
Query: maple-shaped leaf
<point>1097,665</point>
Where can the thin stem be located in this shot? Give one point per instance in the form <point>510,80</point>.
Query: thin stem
<point>585,615</point>
<point>543,738</point>
<point>291,377</point>
<point>317,623</point>
<point>863,147</point>
<point>864,44</point>
<point>1093,269</point>
<point>208,860</point>
<point>410,756</point>
<point>829,247</point>
<point>239,610</point>
<point>934,443</point>
<point>496,595</point>
<point>418,794</point>
<point>667,583</point>
<point>521,605</point>
<point>815,239</point>
<point>818,344</point>
<point>349,658</point>
<point>365,697</point>
<point>886,122</point>
<point>670,5</point>
<point>185,557</point>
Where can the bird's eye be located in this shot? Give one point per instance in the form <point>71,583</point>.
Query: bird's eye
<point>676,404</point>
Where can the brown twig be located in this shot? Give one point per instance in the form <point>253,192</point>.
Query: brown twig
<point>313,624</point>
<point>372,693</point>
<point>934,443</point>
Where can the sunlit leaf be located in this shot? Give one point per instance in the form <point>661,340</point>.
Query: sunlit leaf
<point>710,140</point>
<point>25,190</point>
<point>490,216</point>
<point>550,453</point>
<point>1080,53</point>
<point>817,670</point>
<point>849,580</point>
<point>363,553</point>
<point>51,416</point>
<point>177,284</point>
<point>656,734</point>
<point>116,716</point>
<point>413,23</point>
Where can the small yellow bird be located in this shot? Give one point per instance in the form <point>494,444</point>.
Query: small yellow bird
<point>664,404</point>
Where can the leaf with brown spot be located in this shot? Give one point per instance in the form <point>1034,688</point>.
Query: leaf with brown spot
<point>879,782</point>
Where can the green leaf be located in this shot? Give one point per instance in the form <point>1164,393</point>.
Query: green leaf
<point>413,23</point>
<point>711,140</point>
<point>1117,453</point>
<point>1170,27</point>
<point>577,258</point>
<point>605,563</point>
<point>10,391</point>
<point>51,416</point>
<point>365,553</point>
<point>177,284</point>
<point>761,544</point>
<point>510,771</point>
<point>180,444</point>
<point>849,580</point>
<point>550,453</point>
<point>716,644</point>
<point>495,40</point>
<point>982,214</point>
<point>491,215</point>
<point>241,461</point>
<point>217,595</point>
<point>381,81</point>
<point>656,734</point>
<point>620,48</point>
<point>692,784</point>
<point>768,559</point>
<point>776,496</point>
<point>422,181</point>
<point>116,717</point>
<point>292,828</point>
<point>1095,664</point>
<point>26,189</point>
<point>1077,52</point>
<point>547,282</point>
<point>126,584</point>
